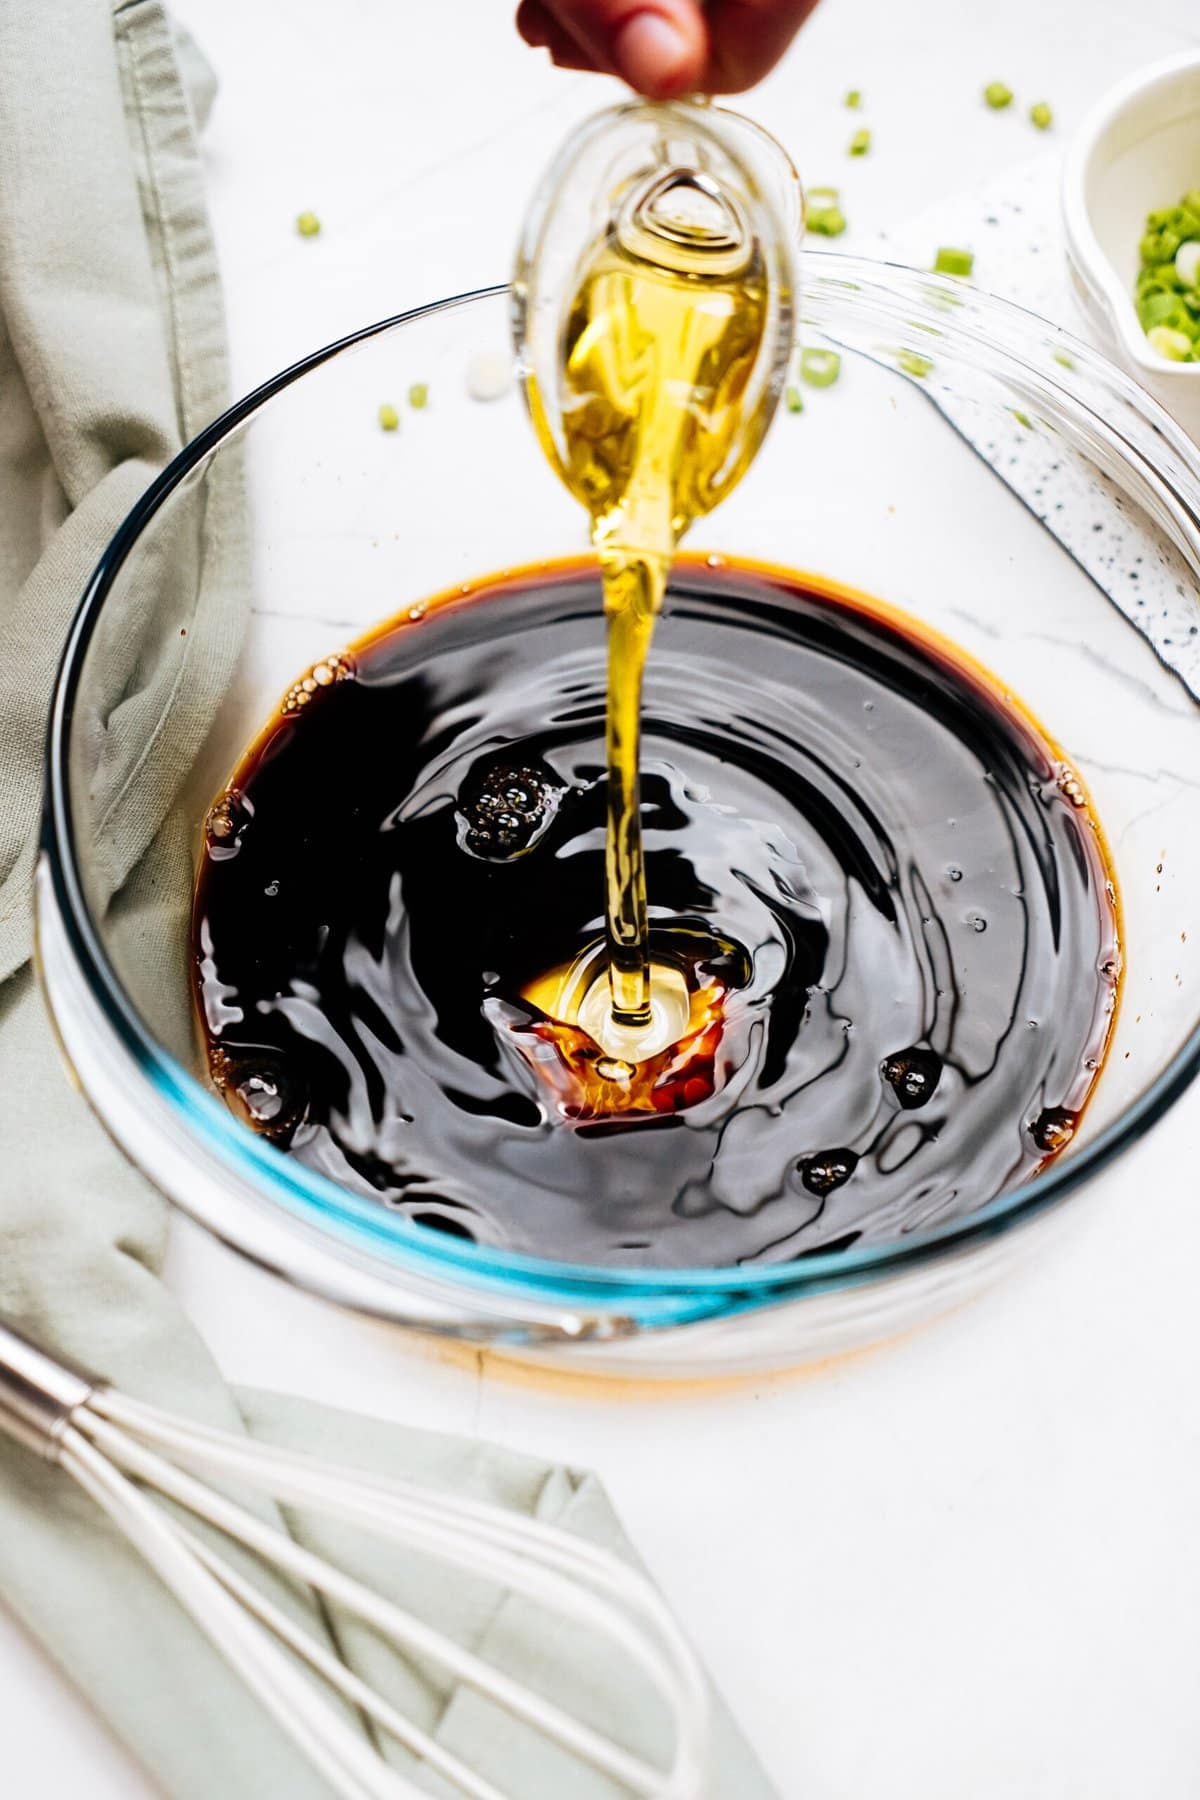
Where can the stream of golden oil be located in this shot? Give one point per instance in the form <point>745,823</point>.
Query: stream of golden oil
<point>655,367</point>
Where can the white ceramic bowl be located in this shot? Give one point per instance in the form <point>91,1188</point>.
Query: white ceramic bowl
<point>1138,149</point>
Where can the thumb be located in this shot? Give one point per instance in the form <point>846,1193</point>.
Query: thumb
<point>660,47</point>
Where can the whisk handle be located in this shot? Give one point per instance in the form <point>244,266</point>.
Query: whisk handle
<point>38,1394</point>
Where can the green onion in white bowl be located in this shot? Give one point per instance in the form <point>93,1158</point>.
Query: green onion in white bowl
<point>1132,156</point>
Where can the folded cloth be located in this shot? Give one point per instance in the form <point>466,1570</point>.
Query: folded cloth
<point>111,357</point>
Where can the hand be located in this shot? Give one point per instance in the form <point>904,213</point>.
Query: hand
<point>664,48</point>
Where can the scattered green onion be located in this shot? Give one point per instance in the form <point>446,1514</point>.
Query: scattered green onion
<point>794,399</point>
<point>1041,116</point>
<point>308,224</point>
<point>950,261</point>
<point>820,368</point>
<point>860,143</point>
<point>418,396</point>
<point>912,363</point>
<point>826,221</point>
<point>854,99</point>
<point>823,214</point>
<point>997,95</point>
<point>1167,290</point>
<point>1022,419</point>
<point>389,418</point>
<point>1063,360</point>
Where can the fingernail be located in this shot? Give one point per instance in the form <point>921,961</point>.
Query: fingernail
<point>649,51</point>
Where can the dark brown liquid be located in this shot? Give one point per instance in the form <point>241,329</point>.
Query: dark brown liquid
<point>883,887</point>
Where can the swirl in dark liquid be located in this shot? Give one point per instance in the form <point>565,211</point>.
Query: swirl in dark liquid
<point>887,874</point>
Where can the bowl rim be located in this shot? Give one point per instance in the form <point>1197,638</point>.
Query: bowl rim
<point>1083,245</point>
<point>335,1210</point>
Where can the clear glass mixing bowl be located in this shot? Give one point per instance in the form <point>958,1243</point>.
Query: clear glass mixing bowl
<point>895,481</point>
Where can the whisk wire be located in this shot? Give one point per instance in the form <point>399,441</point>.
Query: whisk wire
<point>343,1679</point>
<point>401,1627</point>
<point>127,1456</point>
<point>404,1513</point>
<point>202,1446</point>
<point>350,1765</point>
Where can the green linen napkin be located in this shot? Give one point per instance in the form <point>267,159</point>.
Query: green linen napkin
<point>111,356</point>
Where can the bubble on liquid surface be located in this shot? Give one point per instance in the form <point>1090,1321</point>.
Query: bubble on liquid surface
<point>1053,1129</point>
<point>261,1091</point>
<point>227,820</point>
<point>1070,786</point>
<point>324,674</point>
<point>913,1075</point>
<point>827,1170</point>
<point>262,1096</point>
<point>505,809</point>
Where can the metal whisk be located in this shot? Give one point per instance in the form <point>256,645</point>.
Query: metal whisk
<point>122,1452</point>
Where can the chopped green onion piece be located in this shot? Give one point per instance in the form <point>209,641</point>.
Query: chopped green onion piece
<point>1022,419</point>
<point>950,261</point>
<point>1162,309</point>
<point>794,399</point>
<point>997,95</point>
<point>1162,278</point>
<point>912,363</point>
<point>1187,263</point>
<point>308,224</point>
<point>1063,360</point>
<point>826,221</point>
<point>389,418</point>
<point>1161,246</point>
<point>418,396</point>
<point>860,143</point>
<point>1176,346</point>
<point>854,99</point>
<point>824,196</point>
<point>820,368</point>
<point>1041,116</point>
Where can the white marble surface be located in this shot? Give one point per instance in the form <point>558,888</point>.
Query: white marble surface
<point>958,1568</point>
